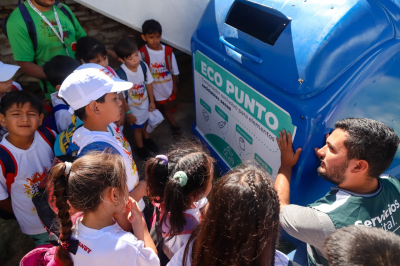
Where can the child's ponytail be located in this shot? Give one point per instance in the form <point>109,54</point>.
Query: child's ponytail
<point>175,203</point>
<point>190,171</point>
<point>60,174</point>
<point>156,177</point>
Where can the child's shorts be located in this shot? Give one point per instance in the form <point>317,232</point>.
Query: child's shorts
<point>171,98</point>
<point>170,104</point>
<point>134,126</point>
<point>40,239</point>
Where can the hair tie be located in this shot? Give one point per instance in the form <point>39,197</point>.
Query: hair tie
<point>68,166</point>
<point>182,177</point>
<point>163,158</point>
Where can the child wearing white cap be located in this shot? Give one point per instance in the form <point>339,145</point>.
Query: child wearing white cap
<point>6,83</point>
<point>92,92</point>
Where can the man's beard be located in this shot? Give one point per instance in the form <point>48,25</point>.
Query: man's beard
<point>335,174</point>
<point>41,3</point>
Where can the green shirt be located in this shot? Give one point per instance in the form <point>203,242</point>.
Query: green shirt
<point>381,210</point>
<point>48,44</point>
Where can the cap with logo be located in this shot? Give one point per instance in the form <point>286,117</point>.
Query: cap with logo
<point>7,71</point>
<point>88,83</point>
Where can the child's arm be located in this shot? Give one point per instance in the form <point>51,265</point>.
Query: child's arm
<point>140,191</point>
<point>152,103</point>
<point>6,205</point>
<point>123,221</point>
<point>174,82</point>
<point>139,226</point>
<point>129,116</point>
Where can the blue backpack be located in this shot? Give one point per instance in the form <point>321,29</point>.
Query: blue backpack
<point>50,121</point>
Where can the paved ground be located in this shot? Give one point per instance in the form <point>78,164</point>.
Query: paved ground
<point>14,244</point>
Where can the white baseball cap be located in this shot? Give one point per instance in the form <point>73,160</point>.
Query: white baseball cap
<point>7,71</point>
<point>88,83</point>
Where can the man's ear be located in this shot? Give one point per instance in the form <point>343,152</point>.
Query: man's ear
<point>3,120</point>
<point>359,166</point>
<point>143,38</point>
<point>41,116</point>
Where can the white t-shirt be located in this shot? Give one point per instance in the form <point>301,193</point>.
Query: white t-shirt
<point>162,84</point>
<point>280,258</point>
<point>32,165</point>
<point>110,245</point>
<point>63,116</point>
<point>83,137</point>
<point>138,100</point>
<point>175,243</point>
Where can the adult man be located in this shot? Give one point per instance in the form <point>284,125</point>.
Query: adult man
<point>356,153</point>
<point>56,35</point>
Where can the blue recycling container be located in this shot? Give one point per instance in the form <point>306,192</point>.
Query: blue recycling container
<point>261,66</point>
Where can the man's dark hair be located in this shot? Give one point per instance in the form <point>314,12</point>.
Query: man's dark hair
<point>81,112</point>
<point>89,48</point>
<point>20,98</point>
<point>363,246</point>
<point>151,26</point>
<point>59,68</point>
<point>371,141</point>
<point>125,47</point>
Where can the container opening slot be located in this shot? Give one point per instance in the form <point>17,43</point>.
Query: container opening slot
<point>255,22</point>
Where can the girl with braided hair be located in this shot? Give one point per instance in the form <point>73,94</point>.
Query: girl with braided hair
<point>179,183</point>
<point>240,226</point>
<point>95,184</point>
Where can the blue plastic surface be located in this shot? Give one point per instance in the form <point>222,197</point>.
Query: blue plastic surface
<point>334,60</point>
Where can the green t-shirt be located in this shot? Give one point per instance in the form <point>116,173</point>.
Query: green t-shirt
<point>48,44</point>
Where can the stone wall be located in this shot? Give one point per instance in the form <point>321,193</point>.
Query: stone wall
<point>95,24</point>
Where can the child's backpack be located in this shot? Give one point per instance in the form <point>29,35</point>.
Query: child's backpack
<point>7,161</point>
<point>168,56</point>
<point>122,75</point>
<point>50,121</point>
<point>29,21</point>
<point>63,145</point>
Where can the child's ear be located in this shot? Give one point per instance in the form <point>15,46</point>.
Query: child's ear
<point>58,87</point>
<point>121,60</point>
<point>3,120</point>
<point>92,108</point>
<point>41,116</point>
<point>143,37</point>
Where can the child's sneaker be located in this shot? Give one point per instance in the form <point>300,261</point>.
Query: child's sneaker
<point>143,154</point>
<point>176,132</point>
<point>149,144</point>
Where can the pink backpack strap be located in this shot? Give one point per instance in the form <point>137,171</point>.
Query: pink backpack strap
<point>191,223</point>
<point>40,256</point>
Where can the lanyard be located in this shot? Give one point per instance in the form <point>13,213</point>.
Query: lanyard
<point>60,33</point>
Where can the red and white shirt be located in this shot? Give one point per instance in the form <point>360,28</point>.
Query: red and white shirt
<point>162,84</point>
<point>32,165</point>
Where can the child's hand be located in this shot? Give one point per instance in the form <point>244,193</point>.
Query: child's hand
<point>152,106</point>
<point>131,118</point>
<point>133,211</point>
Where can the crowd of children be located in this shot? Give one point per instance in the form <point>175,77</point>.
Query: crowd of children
<point>106,215</point>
